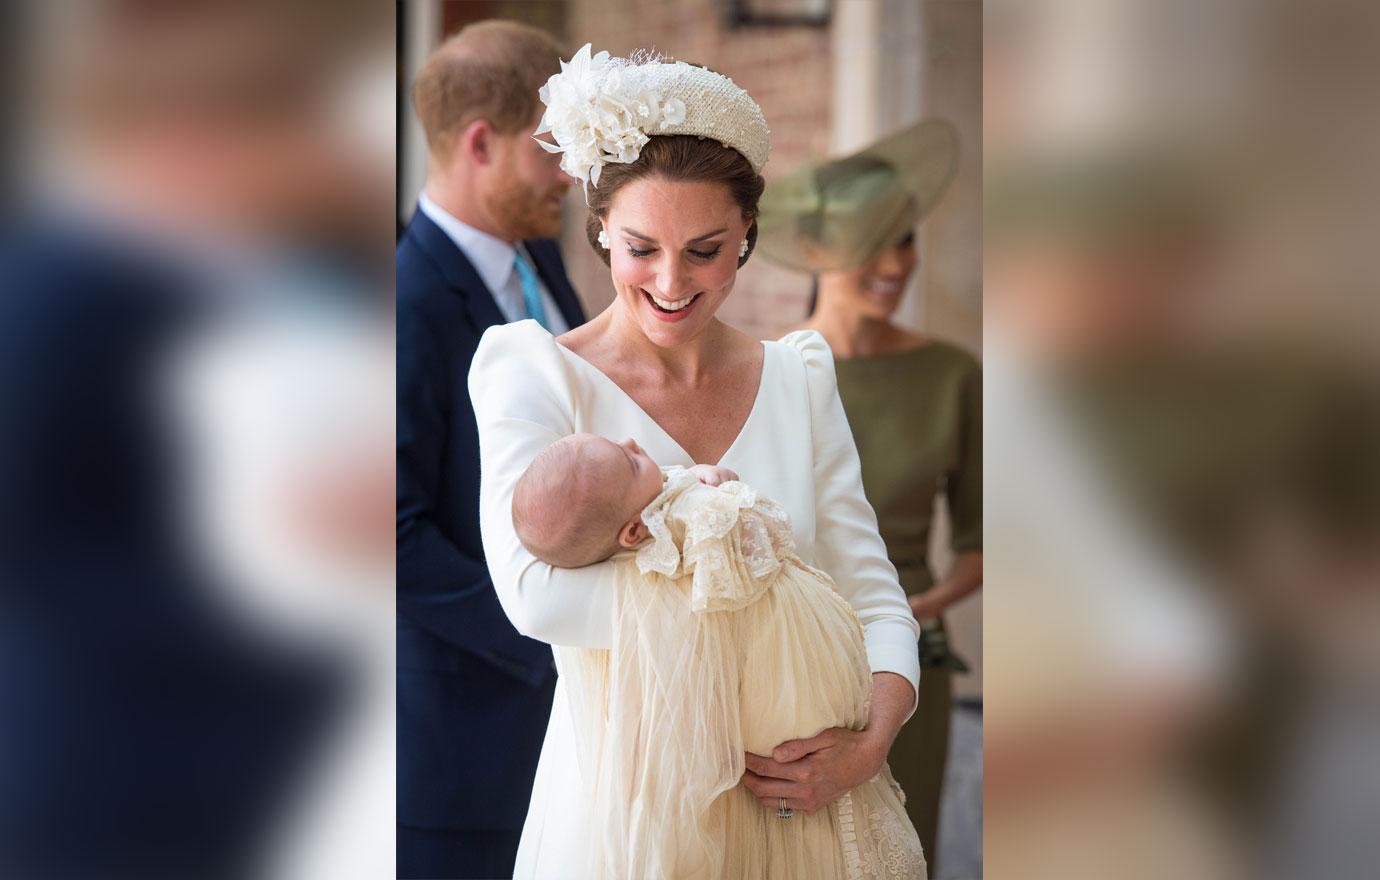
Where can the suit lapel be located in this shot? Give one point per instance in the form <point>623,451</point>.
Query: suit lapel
<point>457,270</point>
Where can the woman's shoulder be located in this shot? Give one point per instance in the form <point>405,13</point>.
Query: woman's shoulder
<point>811,349</point>
<point>809,343</point>
<point>809,362</point>
<point>517,355</point>
<point>517,335</point>
<point>919,354</point>
<point>525,341</point>
<point>955,358</point>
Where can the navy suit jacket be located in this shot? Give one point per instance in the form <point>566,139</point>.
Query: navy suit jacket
<point>474,696</point>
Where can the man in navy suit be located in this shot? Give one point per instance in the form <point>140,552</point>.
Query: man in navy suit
<point>474,696</point>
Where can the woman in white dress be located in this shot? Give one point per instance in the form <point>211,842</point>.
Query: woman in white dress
<point>671,155</point>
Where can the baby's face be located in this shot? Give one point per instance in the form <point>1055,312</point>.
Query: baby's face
<point>633,467</point>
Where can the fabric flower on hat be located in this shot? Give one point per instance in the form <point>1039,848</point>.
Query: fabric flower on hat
<point>599,113</point>
<point>601,109</point>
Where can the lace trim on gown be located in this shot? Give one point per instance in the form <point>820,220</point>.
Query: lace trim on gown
<point>731,541</point>
<point>848,837</point>
<point>888,846</point>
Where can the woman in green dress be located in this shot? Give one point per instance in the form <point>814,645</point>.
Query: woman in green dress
<point>914,403</point>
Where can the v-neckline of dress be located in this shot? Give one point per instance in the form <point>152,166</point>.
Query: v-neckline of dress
<point>756,402</point>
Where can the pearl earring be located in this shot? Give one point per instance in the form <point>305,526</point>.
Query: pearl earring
<point>743,249</point>
<point>604,239</point>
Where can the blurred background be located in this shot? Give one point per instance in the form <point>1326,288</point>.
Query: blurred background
<point>1181,401</point>
<point>831,78</point>
<point>196,478</point>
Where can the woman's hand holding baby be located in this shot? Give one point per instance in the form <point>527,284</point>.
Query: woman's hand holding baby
<point>712,475</point>
<point>812,773</point>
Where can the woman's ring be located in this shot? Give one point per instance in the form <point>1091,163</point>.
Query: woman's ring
<point>783,811</point>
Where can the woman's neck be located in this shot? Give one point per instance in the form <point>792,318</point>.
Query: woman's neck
<point>851,334</point>
<point>687,364</point>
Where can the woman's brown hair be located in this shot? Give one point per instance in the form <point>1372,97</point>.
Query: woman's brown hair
<point>679,157</point>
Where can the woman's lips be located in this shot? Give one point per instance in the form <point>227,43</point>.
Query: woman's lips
<point>664,315</point>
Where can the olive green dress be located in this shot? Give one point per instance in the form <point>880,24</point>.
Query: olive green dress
<point>916,416</point>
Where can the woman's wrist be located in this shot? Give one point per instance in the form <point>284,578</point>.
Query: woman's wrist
<point>963,581</point>
<point>892,699</point>
<point>877,745</point>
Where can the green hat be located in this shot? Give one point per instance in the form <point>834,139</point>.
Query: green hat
<point>833,215</point>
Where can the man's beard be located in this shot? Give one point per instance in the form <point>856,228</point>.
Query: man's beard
<point>525,212</point>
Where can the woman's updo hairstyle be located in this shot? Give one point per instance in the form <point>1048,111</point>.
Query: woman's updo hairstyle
<point>680,157</point>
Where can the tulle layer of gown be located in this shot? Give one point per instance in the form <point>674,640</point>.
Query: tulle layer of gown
<point>724,643</point>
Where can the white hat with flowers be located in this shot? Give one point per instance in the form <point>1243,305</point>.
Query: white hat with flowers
<point>601,109</point>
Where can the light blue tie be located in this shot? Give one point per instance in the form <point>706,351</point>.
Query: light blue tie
<point>531,291</point>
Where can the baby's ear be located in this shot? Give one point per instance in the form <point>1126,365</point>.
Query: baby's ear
<point>632,533</point>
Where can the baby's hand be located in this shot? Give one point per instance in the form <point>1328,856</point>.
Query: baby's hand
<point>711,475</point>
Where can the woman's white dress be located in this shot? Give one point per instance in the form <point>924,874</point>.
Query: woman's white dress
<point>795,447</point>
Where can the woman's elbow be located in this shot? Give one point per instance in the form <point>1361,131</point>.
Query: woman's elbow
<point>533,604</point>
<point>529,616</point>
<point>535,622</point>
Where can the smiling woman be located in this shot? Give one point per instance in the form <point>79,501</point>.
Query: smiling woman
<point>675,220</point>
<point>673,180</point>
<point>680,158</point>
<point>674,225</point>
<point>673,253</point>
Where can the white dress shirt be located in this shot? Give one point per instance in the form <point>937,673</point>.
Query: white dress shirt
<point>492,258</point>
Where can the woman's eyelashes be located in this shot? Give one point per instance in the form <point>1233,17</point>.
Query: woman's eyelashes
<point>699,255</point>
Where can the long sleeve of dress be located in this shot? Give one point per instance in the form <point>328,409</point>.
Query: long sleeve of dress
<point>523,402</point>
<point>848,545</point>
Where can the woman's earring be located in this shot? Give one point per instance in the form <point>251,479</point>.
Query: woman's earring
<point>604,239</point>
<point>743,249</point>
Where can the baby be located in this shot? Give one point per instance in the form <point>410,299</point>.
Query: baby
<point>723,642</point>
<point>582,498</point>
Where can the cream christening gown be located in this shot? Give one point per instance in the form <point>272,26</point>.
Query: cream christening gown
<point>725,642</point>
<point>796,447</point>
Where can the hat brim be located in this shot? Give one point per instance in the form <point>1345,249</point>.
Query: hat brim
<point>840,213</point>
